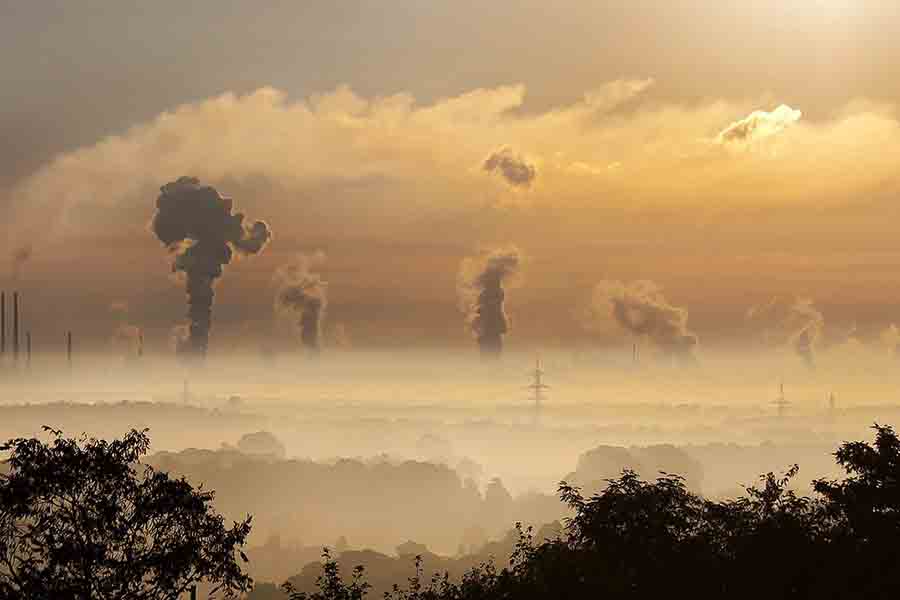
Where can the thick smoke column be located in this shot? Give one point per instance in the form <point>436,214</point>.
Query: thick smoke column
<point>789,321</point>
<point>196,223</point>
<point>302,295</point>
<point>641,308</point>
<point>480,287</point>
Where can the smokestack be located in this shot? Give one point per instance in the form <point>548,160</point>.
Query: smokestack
<point>28,349</point>
<point>2,324</point>
<point>140,348</point>
<point>69,348</point>
<point>480,288</point>
<point>15,339</point>
<point>196,223</point>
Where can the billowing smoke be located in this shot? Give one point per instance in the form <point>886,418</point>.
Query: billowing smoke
<point>19,257</point>
<point>641,309</point>
<point>180,339</point>
<point>759,124</point>
<point>480,284</point>
<point>513,168</point>
<point>789,321</point>
<point>196,223</point>
<point>303,297</point>
<point>127,338</point>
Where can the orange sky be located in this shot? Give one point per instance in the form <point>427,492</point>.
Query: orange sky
<point>728,151</point>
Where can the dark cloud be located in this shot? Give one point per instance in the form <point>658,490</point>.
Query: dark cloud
<point>196,223</point>
<point>512,167</point>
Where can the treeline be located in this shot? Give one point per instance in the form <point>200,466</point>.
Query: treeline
<point>647,539</point>
<point>303,500</point>
<point>89,519</point>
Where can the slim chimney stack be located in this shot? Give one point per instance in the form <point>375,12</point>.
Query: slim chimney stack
<point>69,348</point>
<point>15,339</point>
<point>3,324</point>
<point>28,349</point>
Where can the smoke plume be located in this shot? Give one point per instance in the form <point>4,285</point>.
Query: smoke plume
<point>302,295</point>
<point>196,223</point>
<point>512,167</point>
<point>19,257</point>
<point>641,308</point>
<point>789,321</point>
<point>127,338</point>
<point>180,339</point>
<point>480,284</point>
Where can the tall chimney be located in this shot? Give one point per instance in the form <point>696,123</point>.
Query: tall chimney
<point>28,349</point>
<point>2,323</point>
<point>69,348</point>
<point>15,339</point>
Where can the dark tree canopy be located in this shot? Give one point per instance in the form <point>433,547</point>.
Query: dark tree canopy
<point>84,519</point>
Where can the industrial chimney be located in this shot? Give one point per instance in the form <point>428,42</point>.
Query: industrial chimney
<point>15,338</point>
<point>69,348</point>
<point>28,349</point>
<point>2,324</point>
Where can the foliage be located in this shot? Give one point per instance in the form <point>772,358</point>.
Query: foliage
<point>84,519</point>
<point>638,539</point>
<point>331,585</point>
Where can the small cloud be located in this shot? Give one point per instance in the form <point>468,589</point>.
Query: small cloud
<point>759,125</point>
<point>512,167</point>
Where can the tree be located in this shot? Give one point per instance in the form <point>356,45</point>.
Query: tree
<point>331,585</point>
<point>84,519</point>
<point>865,507</point>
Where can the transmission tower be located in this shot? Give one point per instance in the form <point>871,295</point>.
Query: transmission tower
<point>781,403</point>
<point>538,386</point>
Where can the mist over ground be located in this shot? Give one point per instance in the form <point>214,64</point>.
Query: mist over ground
<point>355,438</point>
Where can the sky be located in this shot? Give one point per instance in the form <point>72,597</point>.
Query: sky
<point>729,152</point>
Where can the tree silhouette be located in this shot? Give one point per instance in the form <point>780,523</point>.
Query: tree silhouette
<point>84,519</point>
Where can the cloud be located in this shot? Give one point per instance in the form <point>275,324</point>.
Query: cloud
<point>339,151</point>
<point>759,125</point>
<point>513,168</point>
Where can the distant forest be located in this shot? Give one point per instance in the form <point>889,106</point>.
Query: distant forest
<point>87,518</point>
